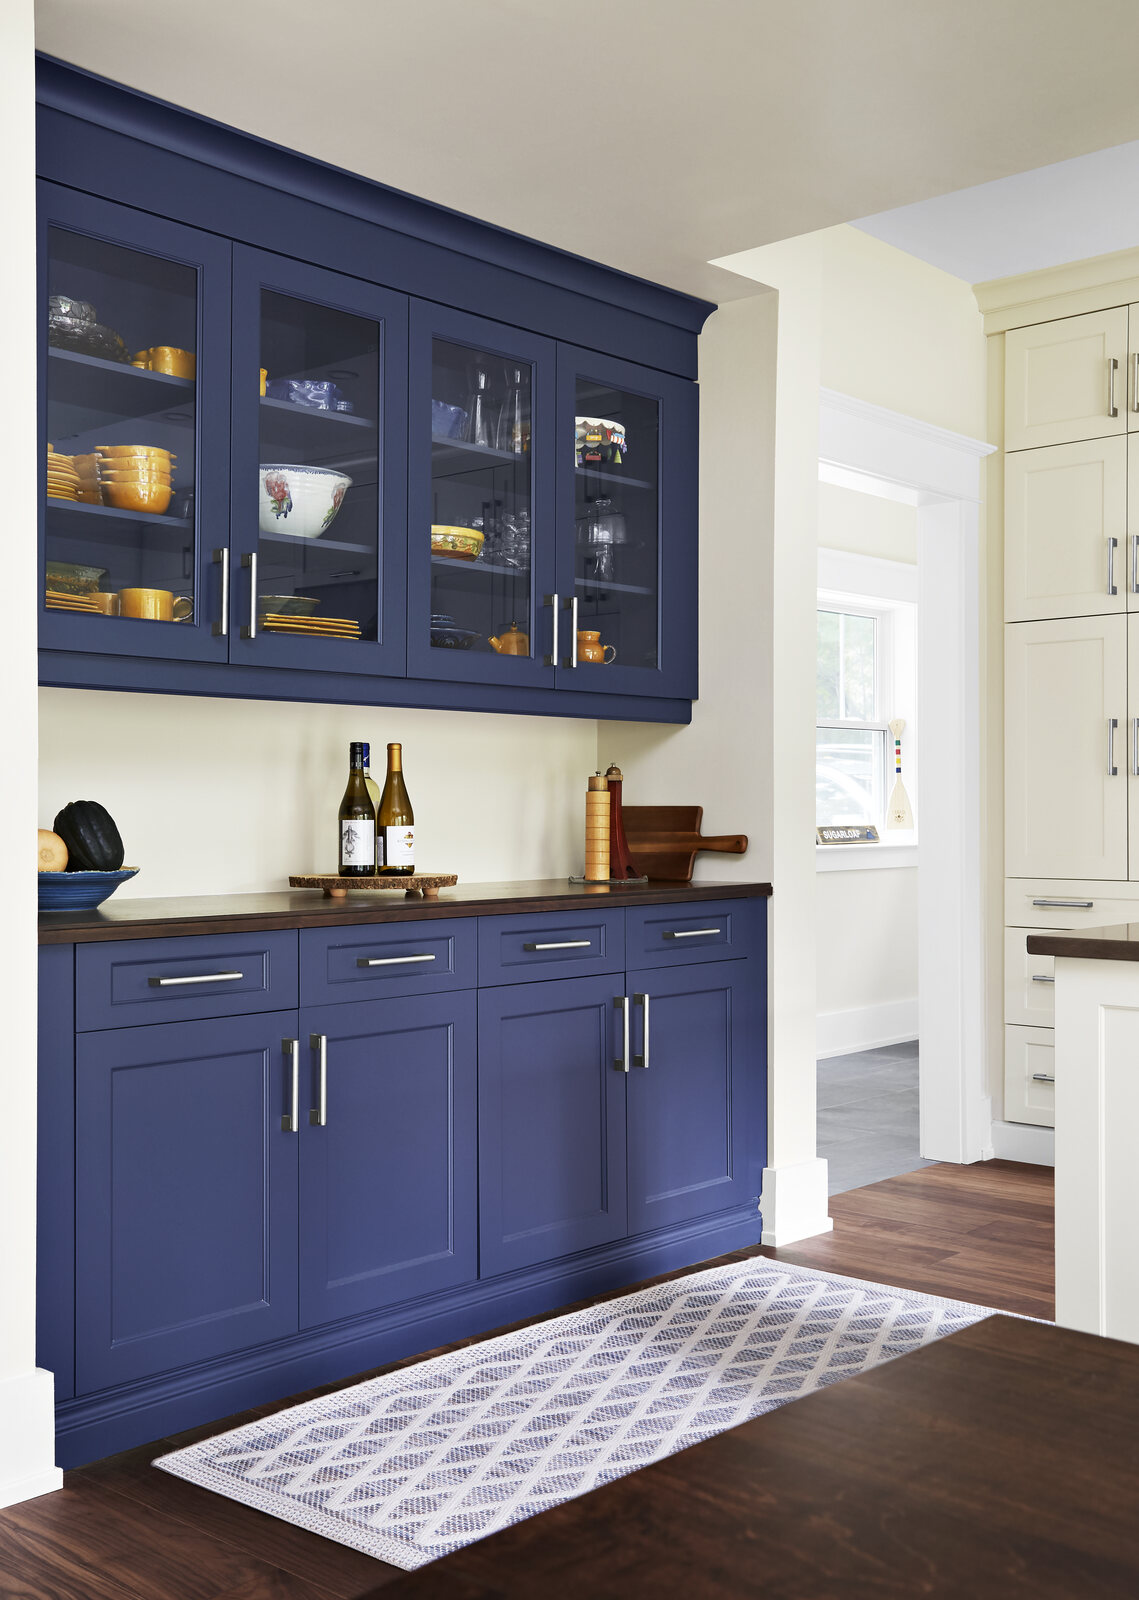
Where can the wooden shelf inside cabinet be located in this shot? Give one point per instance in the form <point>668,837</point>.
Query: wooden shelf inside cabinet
<point>95,393</point>
<point>325,436</point>
<point>616,478</point>
<point>451,458</point>
<point>108,525</point>
<point>599,590</point>
<point>477,569</point>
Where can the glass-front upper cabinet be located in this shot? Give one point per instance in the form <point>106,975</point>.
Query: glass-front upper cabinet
<point>627,518</point>
<point>134,451</point>
<point>319,440</point>
<point>480,501</point>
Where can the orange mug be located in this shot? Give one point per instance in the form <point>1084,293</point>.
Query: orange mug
<point>107,601</point>
<point>590,648</point>
<point>167,358</point>
<point>154,605</point>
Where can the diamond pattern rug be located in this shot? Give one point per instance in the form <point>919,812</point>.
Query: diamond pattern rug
<point>412,1465</point>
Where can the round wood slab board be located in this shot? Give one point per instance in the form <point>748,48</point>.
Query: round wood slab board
<point>427,884</point>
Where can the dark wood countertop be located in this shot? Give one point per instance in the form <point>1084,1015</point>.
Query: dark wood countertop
<point>308,908</point>
<point>1118,943</point>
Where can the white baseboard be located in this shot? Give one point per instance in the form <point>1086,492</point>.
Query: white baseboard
<point>841,1033</point>
<point>794,1202</point>
<point>27,1437</point>
<point>1018,1141</point>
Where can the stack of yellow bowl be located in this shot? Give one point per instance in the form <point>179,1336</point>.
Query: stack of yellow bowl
<point>87,468</point>
<point>62,478</point>
<point>135,477</point>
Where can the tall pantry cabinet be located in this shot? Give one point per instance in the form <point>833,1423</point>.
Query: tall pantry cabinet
<point>1071,609</point>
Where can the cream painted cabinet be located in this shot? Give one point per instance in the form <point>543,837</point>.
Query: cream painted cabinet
<point>1066,548</point>
<point>1066,380</point>
<point>1029,982</point>
<point>1066,786</point>
<point>1131,753</point>
<point>1030,1076</point>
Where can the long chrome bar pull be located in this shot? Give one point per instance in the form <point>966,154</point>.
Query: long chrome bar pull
<point>318,1116</point>
<point>291,1121</point>
<point>621,1004</point>
<point>642,1060</point>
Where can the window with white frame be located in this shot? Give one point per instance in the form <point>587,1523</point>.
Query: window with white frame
<point>864,680</point>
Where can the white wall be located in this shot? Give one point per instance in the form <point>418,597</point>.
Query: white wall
<point>867,953</point>
<point>27,1425</point>
<point>230,796</point>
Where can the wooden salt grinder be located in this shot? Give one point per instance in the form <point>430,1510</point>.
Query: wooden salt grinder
<point>597,830</point>
<point>621,864</point>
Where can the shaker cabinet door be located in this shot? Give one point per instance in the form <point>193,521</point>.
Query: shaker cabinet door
<point>1066,748</point>
<point>1066,380</point>
<point>551,1121</point>
<point>388,1155</point>
<point>1066,548</point>
<point>696,1092</point>
<point>186,1194</point>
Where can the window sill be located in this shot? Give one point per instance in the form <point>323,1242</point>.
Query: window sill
<point>864,857</point>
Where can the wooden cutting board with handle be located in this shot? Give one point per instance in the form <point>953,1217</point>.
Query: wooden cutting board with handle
<point>664,840</point>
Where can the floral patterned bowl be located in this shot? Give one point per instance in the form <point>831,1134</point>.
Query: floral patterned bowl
<point>300,500</point>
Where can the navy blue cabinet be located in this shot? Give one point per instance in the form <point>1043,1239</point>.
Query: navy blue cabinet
<point>387,1153</point>
<point>696,1100</point>
<point>551,1122</point>
<point>186,1194</point>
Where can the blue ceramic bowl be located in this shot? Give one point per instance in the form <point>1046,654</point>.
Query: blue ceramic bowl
<point>447,422</point>
<point>79,891</point>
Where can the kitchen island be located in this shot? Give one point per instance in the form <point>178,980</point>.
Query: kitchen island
<point>1097,1126</point>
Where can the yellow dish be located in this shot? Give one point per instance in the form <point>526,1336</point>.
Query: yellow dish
<point>461,544</point>
<point>154,497</point>
<point>133,450</point>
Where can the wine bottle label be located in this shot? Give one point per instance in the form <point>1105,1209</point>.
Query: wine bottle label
<point>399,847</point>
<point>357,843</point>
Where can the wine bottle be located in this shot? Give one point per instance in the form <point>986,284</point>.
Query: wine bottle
<point>357,820</point>
<point>374,797</point>
<point>396,819</point>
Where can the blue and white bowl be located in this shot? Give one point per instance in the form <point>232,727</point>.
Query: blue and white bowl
<point>300,500</point>
<point>79,891</point>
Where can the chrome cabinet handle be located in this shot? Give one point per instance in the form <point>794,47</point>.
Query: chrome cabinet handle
<point>221,558</point>
<point>571,607</point>
<point>643,1059</point>
<point>689,933</point>
<point>1112,769</point>
<point>291,1121</point>
<point>390,961</point>
<point>249,562</point>
<point>1067,905</point>
<point>1112,368</point>
<point>553,601</point>
<point>1040,977</point>
<point>1135,381</point>
<point>1134,585</point>
<point>1135,747</point>
<point>1044,1077</point>
<point>621,1004</point>
<point>1112,545</point>
<point>198,977</point>
<point>318,1116</point>
<point>560,944</point>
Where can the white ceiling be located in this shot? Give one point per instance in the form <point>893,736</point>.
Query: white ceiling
<point>654,135</point>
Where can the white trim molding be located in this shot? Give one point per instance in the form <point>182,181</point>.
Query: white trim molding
<point>27,1437</point>
<point>874,1027</point>
<point>943,470</point>
<point>794,1202</point>
<point>882,857</point>
<point>1016,1141</point>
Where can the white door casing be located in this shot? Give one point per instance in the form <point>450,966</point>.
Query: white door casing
<point>1059,381</point>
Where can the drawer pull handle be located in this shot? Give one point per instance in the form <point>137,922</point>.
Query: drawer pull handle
<point>642,1060</point>
<point>199,977</point>
<point>1068,905</point>
<point>559,944</point>
<point>1040,977</point>
<point>690,933</point>
<point>1044,1077</point>
<point>621,1004</point>
<point>1112,369</point>
<point>291,1121</point>
<point>1112,546</point>
<point>318,1116</point>
<point>390,961</point>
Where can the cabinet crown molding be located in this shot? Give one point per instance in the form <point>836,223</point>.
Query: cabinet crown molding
<point>1064,291</point>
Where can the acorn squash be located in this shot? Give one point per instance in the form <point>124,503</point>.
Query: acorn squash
<point>51,851</point>
<point>92,839</point>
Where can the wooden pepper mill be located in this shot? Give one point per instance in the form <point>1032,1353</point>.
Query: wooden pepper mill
<point>597,830</point>
<point>621,864</point>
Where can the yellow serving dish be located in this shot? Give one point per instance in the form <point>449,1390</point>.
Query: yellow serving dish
<point>461,544</point>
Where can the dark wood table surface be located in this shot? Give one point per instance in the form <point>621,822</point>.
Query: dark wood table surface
<point>1001,1462</point>
<point>309,908</point>
<point>1117,943</point>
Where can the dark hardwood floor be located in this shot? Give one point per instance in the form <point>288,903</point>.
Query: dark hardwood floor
<point>120,1530</point>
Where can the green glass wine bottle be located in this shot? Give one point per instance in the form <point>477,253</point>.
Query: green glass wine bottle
<point>396,820</point>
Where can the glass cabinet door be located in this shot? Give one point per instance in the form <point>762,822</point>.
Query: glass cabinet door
<point>319,440</point>
<point>135,465</point>
<point>480,521</point>
<point>627,527</point>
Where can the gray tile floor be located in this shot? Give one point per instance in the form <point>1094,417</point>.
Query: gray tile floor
<point>868,1116</point>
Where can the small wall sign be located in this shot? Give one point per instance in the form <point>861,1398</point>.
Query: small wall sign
<point>848,835</point>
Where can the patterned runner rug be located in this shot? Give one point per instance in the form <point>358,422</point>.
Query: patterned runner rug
<point>412,1465</point>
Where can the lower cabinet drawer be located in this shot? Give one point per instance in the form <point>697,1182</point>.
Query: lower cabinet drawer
<point>678,935</point>
<point>133,981</point>
<point>1030,994</point>
<point>1030,1067</point>
<point>569,944</point>
<point>391,958</point>
<point>1070,902</point>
